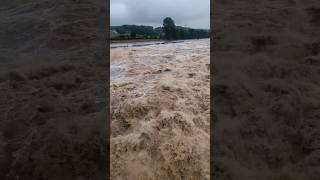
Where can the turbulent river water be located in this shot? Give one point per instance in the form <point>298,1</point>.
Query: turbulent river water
<point>160,124</point>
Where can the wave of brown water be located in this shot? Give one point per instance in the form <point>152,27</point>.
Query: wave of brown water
<point>160,112</point>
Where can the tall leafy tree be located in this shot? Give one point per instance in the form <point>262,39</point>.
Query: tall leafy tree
<point>169,28</point>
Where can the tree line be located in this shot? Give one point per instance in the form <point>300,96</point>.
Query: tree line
<point>168,31</point>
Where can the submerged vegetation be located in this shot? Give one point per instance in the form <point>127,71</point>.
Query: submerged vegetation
<point>168,31</point>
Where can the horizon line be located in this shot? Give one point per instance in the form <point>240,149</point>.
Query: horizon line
<point>162,26</point>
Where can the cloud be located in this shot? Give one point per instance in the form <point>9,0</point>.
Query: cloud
<point>191,13</point>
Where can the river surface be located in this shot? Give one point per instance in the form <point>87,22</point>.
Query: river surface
<point>160,113</point>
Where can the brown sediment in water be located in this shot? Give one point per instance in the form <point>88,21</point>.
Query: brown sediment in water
<point>52,86</point>
<point>160,112</point>
<point>266,90</point>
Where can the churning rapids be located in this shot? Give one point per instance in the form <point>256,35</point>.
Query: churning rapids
<point>160,114</point>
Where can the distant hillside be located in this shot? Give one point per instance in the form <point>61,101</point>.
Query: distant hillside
<point>148,32</point>
<point>134,32</point>
<point>189,33</point>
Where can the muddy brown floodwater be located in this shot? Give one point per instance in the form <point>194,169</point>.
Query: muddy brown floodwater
<point>160,114</point>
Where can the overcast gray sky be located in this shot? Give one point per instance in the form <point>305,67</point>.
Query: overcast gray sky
<point>191,13</point>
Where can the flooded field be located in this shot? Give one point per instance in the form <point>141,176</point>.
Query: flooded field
<point>160,114</point>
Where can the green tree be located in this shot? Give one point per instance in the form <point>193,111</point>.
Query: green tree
<point>133,34</point>
<point>169,28</point>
